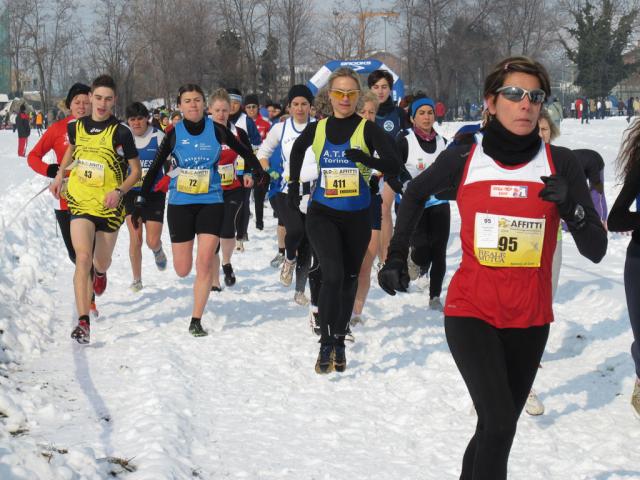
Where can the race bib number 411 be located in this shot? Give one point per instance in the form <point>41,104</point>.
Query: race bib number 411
<point>341,182</point>
<point>505,241</point>
<point>193,181</point>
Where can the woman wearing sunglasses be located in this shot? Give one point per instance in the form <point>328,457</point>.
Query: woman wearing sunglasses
<point>511,191</point>
<point>338,223</point>
<point>622,219</point>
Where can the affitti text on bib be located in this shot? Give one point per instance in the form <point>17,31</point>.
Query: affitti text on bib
<point>90,174</point>
<point>193,181</point>
<point>505,241</point>
<point>341,182</point>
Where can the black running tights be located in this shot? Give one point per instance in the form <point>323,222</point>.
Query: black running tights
<point>340,241</point>
<point>498,367</point>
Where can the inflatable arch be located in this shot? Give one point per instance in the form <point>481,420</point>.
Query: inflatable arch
<point>320,78</point>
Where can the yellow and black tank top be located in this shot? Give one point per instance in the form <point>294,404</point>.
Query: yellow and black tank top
<point>98,169</point>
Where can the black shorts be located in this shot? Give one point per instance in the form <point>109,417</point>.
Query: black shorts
<point>102,224</point>
<point>152,211</point>
<point>375,212</point>
<point>233,200</point>
<point>186,221</point>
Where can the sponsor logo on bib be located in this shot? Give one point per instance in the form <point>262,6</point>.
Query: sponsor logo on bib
<point>509,191</point>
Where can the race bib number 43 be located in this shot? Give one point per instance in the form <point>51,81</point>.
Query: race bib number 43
<point>193,181</point>
<point>90,174</point>
<point>341,182</point>
<point>504,241</point>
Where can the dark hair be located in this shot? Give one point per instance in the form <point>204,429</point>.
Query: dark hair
<point>190,87</point>
<point>496,77</point>
<point>103,81</point>
<point>376,75</point>
<point>629,155</point>
<point>137,109</point>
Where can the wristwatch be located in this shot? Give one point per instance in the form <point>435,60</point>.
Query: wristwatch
<point>578,214</point>
<point>120,192</point>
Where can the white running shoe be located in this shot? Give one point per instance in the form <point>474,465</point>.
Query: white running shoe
<point>136,286</point>
<point>635,397</point>
<point>301,299</point>
<point>286,274</point>
<point>414,269</point>
<point>534,406</point>
<point>239,245</point>
<point>436,304</point>
<point>277,260</point>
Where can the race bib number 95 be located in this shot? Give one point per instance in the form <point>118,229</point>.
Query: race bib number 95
<point>505,241</point>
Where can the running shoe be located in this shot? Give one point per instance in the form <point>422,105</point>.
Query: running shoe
<point>136,286</point>
<point>348,336</point>
<point>339,358</point>
<point>259,225</point>
<point>326,356</point>
<point>413,268</point>
<point>161,259</point>
<point>635,397</point>
<point>286,274</point>
<point>436,304</point>
<point>195,328</point>
<point>245,237</point>
<point>239,245</point>
<point>99,283</point>
<point>229,277</point>
<point>93,310</point>
<point>314,322</point>
<point>216,288</point>
<point>301,299</point>
<point>277,260</point>
<point>356,319</point>
<point>533,406</point>
<point>81,333</point>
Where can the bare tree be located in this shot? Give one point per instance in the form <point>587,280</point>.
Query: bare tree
<point>407,9</point>
<point>47,36</point>
<point>17,13</point>
<point>295,17</point>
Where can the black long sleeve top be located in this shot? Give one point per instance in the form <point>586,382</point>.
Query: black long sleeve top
<point>224,136</point>
<point>621,219</point>
<point>443,178</point>
<point>339,131</point>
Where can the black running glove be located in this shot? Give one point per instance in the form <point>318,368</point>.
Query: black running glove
<point>394,276</point>
<point>52,170</point>
<point>293,195</point>
<point>356,155</point>
<point>556,190</point>
<point>394,182</point>
<point>261,178</point>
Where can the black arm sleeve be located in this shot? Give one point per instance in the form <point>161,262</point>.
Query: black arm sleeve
<point>124,138</point>
<point>164,150</point>
<point>378,141</point>
<point>226,136</point>
<point>591,239</point>
<point>402,147</point>
<point>621,219</point>
<point>592,164</point>
<point>443,176</point>
<point>304,141</point>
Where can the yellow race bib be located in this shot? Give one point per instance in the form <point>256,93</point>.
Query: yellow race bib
<point>89,173</point>
<point>227,174</point>
<point>193,181</point>
<point>341,182</point>
<point>504,241</point>
<point>240,164</point>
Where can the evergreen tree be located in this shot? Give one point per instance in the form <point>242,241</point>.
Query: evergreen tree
<point>269,67</point>
<point>599,47</point>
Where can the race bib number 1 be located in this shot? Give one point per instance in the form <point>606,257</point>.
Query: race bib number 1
<point>227,174</point>
<point>504,241</point>
<point>341,182</point>
<point>193,181</point>
<point>90,174</point>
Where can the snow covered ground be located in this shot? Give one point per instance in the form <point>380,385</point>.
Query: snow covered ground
<point>245,402</point>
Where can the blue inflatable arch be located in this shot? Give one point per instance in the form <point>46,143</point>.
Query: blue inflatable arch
<point>363,67</point>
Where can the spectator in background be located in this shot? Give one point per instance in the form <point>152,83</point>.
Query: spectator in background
<point>629,109</point>
<point>24,130</point>
<point>440,112</point>
<point>39,122</point>
<point>555,111</point>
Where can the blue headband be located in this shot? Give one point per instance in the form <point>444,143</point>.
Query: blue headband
<point>237,98</point>
<point>421,102</point>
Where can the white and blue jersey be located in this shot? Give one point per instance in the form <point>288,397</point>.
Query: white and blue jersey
<point>418,160</point>
<point>147,146</point>
<point>197,157</point>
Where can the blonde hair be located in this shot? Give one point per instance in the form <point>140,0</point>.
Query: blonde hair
<point>553,128</point>
<point>219,94</point>
<point>368,96</point>
<point>344,72</point>
<point>322,103</point>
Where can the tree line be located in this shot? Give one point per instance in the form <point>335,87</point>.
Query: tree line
<point>150,47</point>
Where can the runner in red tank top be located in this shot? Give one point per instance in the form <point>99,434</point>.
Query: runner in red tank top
<point>511,191</point>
